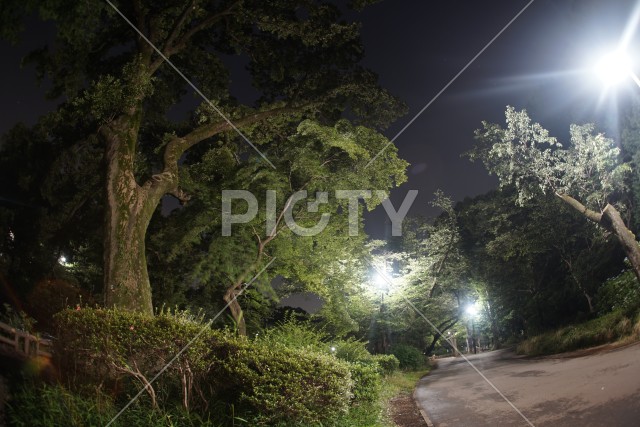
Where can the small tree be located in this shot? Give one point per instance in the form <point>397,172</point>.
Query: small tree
<point>587,176</point>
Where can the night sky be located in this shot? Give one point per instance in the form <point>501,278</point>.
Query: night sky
<point>541,62</point>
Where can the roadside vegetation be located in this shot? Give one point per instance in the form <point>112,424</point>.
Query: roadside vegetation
<point>111,197</point>
<point>293,375</point>
<point>618,303</point>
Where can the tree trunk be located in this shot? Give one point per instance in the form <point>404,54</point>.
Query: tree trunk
<point>611,220</point>
<point>626,238</point>
<point>443,327</point>
<point>231,298</point>
<point>129,209</point>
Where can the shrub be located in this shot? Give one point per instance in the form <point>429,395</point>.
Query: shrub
<point>293,333</point>
<point>352,350</point>
<point>409,357</point>
<point>619,293</point>
<point>123,350</point>
<point>273,384</point>
<point>388,363</point>
<point>366,382</point>
<point>278,384</point>
<point>48,406</point>
<point>605,329</point>
<point>364,368</point>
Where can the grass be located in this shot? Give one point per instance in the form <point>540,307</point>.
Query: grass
<point>397,384</point>
<point>377,414</point>
<point>616,326</point>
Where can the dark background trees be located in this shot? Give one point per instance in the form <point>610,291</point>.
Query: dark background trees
<point>129,133</point>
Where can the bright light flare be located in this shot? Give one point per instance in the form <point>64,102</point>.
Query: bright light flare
<point>381,281</point>
<point>614,68</point>
<point>472,309</point>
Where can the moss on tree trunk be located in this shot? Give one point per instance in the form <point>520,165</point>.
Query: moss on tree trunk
<point>129,209</point>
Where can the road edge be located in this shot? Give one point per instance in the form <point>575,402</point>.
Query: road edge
<point>422,411</point>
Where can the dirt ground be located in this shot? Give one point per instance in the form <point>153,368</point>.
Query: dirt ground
<point>405,413</point>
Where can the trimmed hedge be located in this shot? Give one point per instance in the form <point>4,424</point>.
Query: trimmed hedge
<point>119,351</point>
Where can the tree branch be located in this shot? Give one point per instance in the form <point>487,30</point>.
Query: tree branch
<point>588,213</point>
<point>173,46</point>
<point>176,147</point>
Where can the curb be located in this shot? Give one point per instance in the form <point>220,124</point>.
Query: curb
<point>423,412</point>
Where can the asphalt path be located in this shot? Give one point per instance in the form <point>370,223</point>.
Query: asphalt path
<point>601,389</point>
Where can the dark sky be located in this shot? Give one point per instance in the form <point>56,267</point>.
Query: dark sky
<point>542,62</point>
<point>539,63</point>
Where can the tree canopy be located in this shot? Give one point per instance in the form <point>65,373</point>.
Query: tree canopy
<point>119,142</point>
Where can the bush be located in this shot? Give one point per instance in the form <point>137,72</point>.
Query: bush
<point>364,368</point>
<point>352,350</point>
<point>409,357</point>
<point>122,350</point>
<point>49,406</point>
<point>605,329</point>
<point>278,384</point>
<point>273,384</point>
<point>366,382</point>
<point>388,363</point>
<point>293,333</point>
<point>619,293</point>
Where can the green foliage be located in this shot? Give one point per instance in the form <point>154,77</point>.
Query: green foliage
<point>366,381</point>
<point>605,329</point>
<point>295,334</point>
<point>388,363</point>
<point>51,406</point>
<point>619,293</point>
<point>409,357</point>
<point>267,382</point>
<point>352,350</point>
<point>115,91</point>
<point>365,369</point>
<point>526,156</point>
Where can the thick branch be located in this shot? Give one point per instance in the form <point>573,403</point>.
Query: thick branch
<point>588,213</point>
<point>181,195</point>
<point>176,147</point>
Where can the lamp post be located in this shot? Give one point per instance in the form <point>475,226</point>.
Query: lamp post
<point>381,281</point>
<point>472,311</point>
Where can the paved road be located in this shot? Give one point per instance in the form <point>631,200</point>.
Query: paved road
<point>597,390</point>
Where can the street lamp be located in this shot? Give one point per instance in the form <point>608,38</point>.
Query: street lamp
<point>472,311</point>
<point>615,67</point>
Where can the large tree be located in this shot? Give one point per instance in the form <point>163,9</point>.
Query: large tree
<point>300,56</point>
<point>587,176</point>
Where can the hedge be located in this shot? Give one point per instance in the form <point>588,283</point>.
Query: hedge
<point>120,351</point>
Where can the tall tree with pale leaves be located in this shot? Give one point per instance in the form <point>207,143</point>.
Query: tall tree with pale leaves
<point>588,175</point>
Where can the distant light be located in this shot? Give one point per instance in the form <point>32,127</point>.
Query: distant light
<point>381,280</point>
<point>614,68</point>
<point>333,349</point>
<point>472,309</point>
<point>62,260</point>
